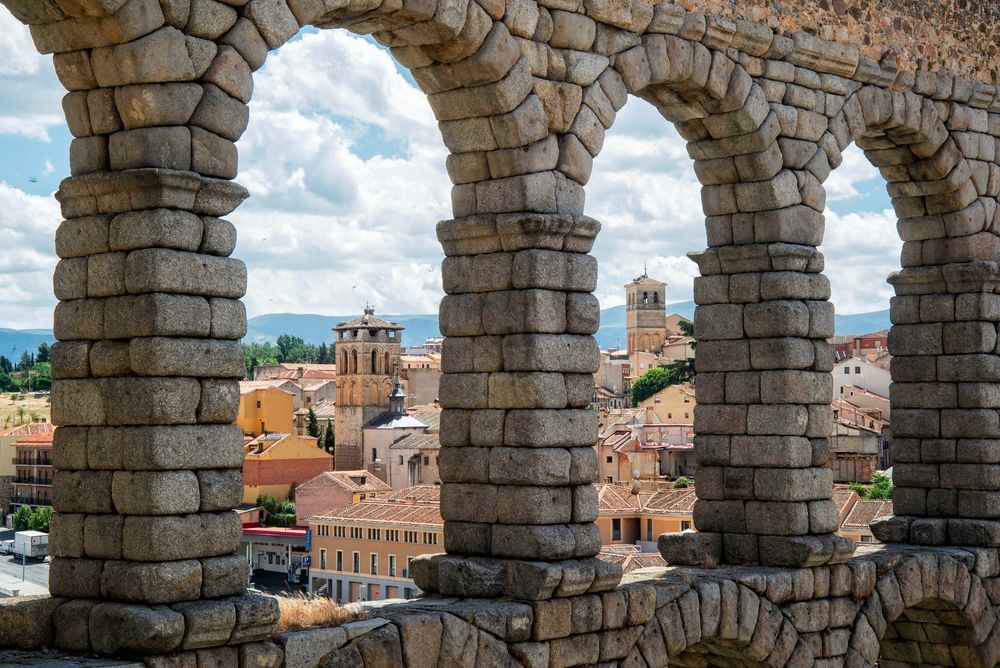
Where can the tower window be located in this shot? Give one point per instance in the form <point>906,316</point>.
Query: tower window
<point>645,297</point>
<point>656,297</point>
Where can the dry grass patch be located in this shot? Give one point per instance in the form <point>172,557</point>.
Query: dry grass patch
<point>301,612</point>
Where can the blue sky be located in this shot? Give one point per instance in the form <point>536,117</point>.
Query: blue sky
<point>345,167</point>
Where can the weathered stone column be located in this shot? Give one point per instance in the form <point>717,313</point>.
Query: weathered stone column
<point>945,395</point>
<point>517,457</point>
<point>148,462</point>
<point>764,388</point>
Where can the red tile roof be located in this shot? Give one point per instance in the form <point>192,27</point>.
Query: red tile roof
<point>865,511</point>
<point>36,439</point>
<point>28,429</point>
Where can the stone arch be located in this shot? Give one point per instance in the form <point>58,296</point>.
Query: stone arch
<point>719,620</point>
<point>928,608</point>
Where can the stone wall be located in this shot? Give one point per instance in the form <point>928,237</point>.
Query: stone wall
<point>951,34</point>
<point>899,606</point>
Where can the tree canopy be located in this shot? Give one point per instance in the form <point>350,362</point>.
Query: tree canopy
<point>880,487</point>
<point>286,348</point>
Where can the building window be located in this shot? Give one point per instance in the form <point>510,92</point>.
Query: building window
<point>340,560</point>
<point>610,459</point>
<point>392,565</point>
<point>322,559</point>
<point>374,454</point>
<point>427,461</point>
<point>357,562</point>
<point>374,564</point>
<point>401,460</point>
<point>866,539</point>
<point>686,415</point>
<point>685,525</point>
<point>857,370</point>
<point>847,370</point>
<point>616,529</point>
<point>670,416</point>
<point>258,404</point>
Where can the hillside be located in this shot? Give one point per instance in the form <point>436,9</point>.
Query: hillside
<point>316,329</point>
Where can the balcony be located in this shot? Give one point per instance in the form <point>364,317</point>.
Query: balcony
<point>25,500</point>
<point>29,480</point>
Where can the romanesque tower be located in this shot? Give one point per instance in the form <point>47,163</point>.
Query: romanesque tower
<point>367,350</point>
<point>645,314</point>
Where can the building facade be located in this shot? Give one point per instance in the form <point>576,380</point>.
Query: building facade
<point>645,314</point>
<point>362,551</point>
<point>367,353</point>
<point>33,471</point>
<point>276,464</point>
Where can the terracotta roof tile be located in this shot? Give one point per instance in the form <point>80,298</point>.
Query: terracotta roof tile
<point>865,511</point>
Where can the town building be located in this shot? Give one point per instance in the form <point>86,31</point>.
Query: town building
<point>861,514</point>
<point>420,384</point>
<point>325,412</point>
<point>648,327</point>
<point>299,371</point>
<point>613,381</point>
<point>333,489</point>
<point>362,551</point>
<point>8,457</point>
<point>404,444</point>
<point>674,404</point>
<point>644,448</point>
<point>861,373</point>
<point>266,406</point>
<point>367,352</point>
<point>275,464</point>
<point>861,346</point>
<point>33,470</point>
<point>859,442</point>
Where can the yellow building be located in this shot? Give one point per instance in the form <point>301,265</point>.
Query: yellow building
<point>10,436</point>
<point>274,464</point>
<point>362,551</point>
<point>674,404</point>
<point>265,408</point>
<point>627,519</point>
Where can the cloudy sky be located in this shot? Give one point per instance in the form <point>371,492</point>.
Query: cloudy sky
<point>346,170</point>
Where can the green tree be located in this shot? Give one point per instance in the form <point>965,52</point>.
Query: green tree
<point>40,520</point>
<point>43,352</point>
<point>880,487</point>
<point>26,361</point>
<point>22,519</point>
<point>312,424</point>
<point>649,384</point>
<point>323,356</point>
<point>5,365</point>
<point>277,513</point>
<point>328,442</point>
<point>682,482</point>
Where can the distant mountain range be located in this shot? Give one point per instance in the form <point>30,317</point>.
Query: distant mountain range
<point>315,329</point>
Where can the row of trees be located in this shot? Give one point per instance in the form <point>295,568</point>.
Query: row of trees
<point>286,348</point>
<point>31,370</point>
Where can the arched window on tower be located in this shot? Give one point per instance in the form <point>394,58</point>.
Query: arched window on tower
<point>375,361</point>
<point>388,362</point>
<point>645,297</point>
<point>354,361</point>
<point>344,368</point>
<point>656,297</point>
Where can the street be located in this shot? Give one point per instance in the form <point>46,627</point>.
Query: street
<point>36,572</point>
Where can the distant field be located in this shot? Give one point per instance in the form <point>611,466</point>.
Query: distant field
<point>9,403</point>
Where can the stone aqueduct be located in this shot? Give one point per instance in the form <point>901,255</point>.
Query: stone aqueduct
<point>149,322</point>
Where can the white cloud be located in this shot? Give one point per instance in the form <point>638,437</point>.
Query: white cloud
<point>327,229</point>
<point>29,106</point>
<point>855,169</point>
<point>27,227</point>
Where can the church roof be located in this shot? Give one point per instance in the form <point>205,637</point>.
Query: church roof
<point>390,420</point>
<point>368,321</point>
